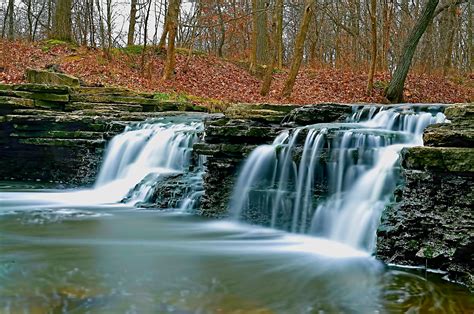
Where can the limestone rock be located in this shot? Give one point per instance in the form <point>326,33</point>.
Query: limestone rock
<point>320,113</point>
<point>447,159</point>
<point>259,112</point>
<point>448,135</point>
<point>53,78</point>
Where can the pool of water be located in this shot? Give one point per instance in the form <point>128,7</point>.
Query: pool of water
<point>117,259</point>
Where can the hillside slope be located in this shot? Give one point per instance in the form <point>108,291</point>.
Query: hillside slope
<point>210,77</point>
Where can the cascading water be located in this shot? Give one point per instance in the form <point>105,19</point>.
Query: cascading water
<point>135,163</point>
<point>331,180</point>
<point>145,153</point>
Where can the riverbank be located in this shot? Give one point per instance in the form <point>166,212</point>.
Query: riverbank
<point>207,79</point>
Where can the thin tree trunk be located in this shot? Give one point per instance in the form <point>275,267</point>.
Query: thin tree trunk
<point>162,42</point>
<point>220,45</point>
<point>470,54</point>
<point>373,23</point>
<point>267,80</point>
<point>131,25</point>
<point>450,40</point>
<point>145,37</point>
<point>299,49</point>
<point>279,44</point>
<point>253,43</point>
<point>173,14</point>
<point>394,91</point>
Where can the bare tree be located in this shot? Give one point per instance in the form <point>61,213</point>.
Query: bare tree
<point>299,49</point>
<point>172,27</point>
<point>133,20</point>
<point>394,91</point>
<point>373,62</point>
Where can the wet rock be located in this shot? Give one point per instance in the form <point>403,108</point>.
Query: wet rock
<point>461,114</point>
<point>100,107</point>
<point>53,78</point>
<point>266,113</point>
<point>320,113</point>
<point>226,130</point>
<point>218,184</point>
<point>448,135</point>
<point>432,224</point>
<point>441,159</point>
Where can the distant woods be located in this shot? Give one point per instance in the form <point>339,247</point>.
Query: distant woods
<point>395,36</point>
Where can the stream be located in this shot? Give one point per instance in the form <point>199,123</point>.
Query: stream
<point>97,250</point>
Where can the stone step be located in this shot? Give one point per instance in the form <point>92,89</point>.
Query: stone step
<point>101,107</point>
<point>441,159</point>
<point>112,91</point>
<point>59,134</point>
<point>39,88</point>
<point>63,142</point>
<point>36,95</point>
<point>448,135</point>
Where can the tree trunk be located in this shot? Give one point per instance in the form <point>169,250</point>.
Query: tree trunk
<point>220,45</point>
<point>173,14</point>
<point>450,40</point>
<point>259,53</point>
<point>267,80</point>
<point>279,44</point>
<point>9,18</point>
<point>62,23</point>
<point>131,25</point>
<point>470,54</point>
<point>299,49</point>
<point>164,34</point>
<point>145,36</point>
<point>373,23</point>
<point>394,91</point>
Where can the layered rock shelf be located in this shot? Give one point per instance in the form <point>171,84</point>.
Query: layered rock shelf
<point>57,133</point>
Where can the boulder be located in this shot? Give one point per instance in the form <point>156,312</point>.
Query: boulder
<point>52,78</point>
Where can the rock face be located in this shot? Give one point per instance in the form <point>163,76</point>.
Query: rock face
<point>56,133</point>
<point>432,222</point>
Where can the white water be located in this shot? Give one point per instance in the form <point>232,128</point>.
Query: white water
<point>356,161</point>
<point>133,163</point>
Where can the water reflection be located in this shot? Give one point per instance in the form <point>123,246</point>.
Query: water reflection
<point>120,260</point>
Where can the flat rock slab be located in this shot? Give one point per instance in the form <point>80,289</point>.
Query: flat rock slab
<point>53,78</point>
<point>446,159</point>
<point>448,135</point>
<point>40,88</point>
<point>320,113</point>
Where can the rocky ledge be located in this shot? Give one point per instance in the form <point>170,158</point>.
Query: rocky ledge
<point>57,133</point>
<point>432,221</point>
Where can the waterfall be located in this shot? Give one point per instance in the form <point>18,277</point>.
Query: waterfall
<point>136,162</point>
<point>143,155</point>
<point>331,180</point>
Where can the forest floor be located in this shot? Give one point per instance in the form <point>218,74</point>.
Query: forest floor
<point>210,79</point>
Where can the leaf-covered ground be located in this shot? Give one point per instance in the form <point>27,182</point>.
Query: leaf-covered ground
<point>210,77</point>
